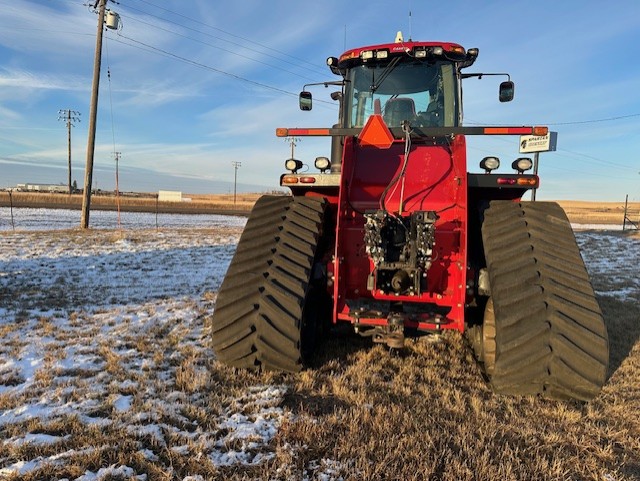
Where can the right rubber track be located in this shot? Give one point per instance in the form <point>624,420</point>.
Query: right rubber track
<point>257,321</point>
<point>550,335</point>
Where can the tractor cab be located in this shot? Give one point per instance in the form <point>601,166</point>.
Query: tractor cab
<point>414,82</point>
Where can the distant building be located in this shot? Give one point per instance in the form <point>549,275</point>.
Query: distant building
<point>169,196</point>
<point>42,188</point>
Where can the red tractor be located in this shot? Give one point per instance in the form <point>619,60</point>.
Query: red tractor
<point>393,236</point>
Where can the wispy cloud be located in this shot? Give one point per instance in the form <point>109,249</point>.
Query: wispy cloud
<point>261,118</point>
<point>45,28</point>
<point>8,116</point>
<point>30,80</point>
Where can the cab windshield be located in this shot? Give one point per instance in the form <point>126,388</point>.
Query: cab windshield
<point>422,93</point>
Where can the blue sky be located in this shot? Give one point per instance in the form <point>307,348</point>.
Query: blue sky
<point>197,85</point>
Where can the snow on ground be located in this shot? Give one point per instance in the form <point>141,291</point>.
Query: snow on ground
<point>608,227</point>
<point>613,257</point>
<point>48,219</point>
<point>105,329</point>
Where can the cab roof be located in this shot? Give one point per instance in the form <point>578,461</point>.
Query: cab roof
<point>444,50</point>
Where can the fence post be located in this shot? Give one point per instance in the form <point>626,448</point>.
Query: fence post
<point>624,221</point>
<point>13,224</point>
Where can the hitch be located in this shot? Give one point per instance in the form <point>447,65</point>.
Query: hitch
<point>392,334</point>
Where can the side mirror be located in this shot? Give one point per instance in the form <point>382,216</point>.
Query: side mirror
<point>506,91</point>
<point>306,100</point>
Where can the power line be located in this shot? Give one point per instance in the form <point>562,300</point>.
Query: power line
<point>224,31</point>
<point>580,155</point>
<point>315,68</point>
<point>234,44</point>
<point>577,122</point>
<point>45,30</point>
<point>574,122</point>
<point>593,121</point>
<point>207,67</point>
<point>594,160</point>
<point>166,53</point>
<point>150,48</point>
<point>116,156</point>
<point>598,160</point>
<point>555,167</point>
<point>113,128</point>
<point>219,48</point>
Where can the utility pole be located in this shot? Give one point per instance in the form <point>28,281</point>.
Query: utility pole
<point>293,141</point>
<point>93,113</point>
<point>116,156</point>
<point>236,165</point>
<point>70,117</point>
<point>536,159</point>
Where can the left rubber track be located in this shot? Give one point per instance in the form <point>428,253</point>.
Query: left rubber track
<point>258,321</point>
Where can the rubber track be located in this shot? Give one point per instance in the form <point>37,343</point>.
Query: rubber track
<point>259,310</point>
<point>550,335</point>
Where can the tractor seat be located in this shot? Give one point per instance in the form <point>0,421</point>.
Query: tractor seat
<point>397,110</point>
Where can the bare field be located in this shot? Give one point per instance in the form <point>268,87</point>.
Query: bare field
<point>105,374</point>
<point>579,212</point>
<point>193,203</point>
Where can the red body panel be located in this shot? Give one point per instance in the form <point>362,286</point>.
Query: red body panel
<point>435,180</point>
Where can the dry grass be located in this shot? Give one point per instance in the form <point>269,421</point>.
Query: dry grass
<point>367,413</point>
<point>581,212</point>
<point>197,203</point>
<point>427,414</point>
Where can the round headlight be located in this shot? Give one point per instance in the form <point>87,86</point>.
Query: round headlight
<point>293,165</point>
<point>322,163</point>
<point>521,164</point>
<point>489,164</point>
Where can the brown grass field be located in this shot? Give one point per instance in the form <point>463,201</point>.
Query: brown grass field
<point>197,203</point>
<point>582,212</point>
<point>362,412</point>
<point>579,212</point>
